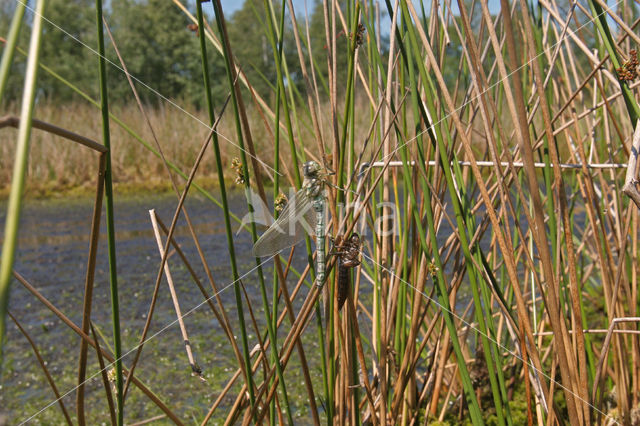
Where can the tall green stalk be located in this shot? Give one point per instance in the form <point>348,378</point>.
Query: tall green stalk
<point>437,139</point>
<point>223,196</point>
<point>287,111</point>
<point>10,46</point>
<point>19,170</point>
<point>273,321</point>
<point>111,232</point>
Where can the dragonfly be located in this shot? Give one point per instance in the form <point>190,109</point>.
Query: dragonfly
<point>348,252</point>
<point>303,214</point>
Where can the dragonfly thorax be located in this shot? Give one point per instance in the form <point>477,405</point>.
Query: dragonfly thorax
<point>313,187</point>
<point>312,180</point>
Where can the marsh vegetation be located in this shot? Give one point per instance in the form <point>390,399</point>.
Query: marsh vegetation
<point>479,148</point>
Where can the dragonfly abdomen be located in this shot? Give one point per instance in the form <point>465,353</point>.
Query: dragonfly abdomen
<point>343,283</point>
<point>318,205</point>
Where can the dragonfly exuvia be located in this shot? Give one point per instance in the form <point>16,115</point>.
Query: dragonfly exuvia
<point>348,252</point>
<point>304,213</point>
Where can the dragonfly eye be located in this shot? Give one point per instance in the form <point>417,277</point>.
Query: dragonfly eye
<point>310,168</point>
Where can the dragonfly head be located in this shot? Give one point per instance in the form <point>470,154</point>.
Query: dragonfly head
<point>311,169</point>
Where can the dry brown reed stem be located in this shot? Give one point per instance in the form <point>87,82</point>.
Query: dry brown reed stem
<point>571,122</point>
<point>88,284</point>
<point>512,108</point>
<point>383,370</point>
<point>579,348</point>
<point>604,253</point>
<point>105,377</point>
<point>93,243</point>
<point>92,342</point>
<point>616,227</point>
<point>408,364</point>
<point>43,366</point>
<point>13,121</point>
<point>598,379</point>
<point>482,84</point>
<point>209,299</point>
<point>195,369</point>
<point>503,242</point>
<point>353,318</point>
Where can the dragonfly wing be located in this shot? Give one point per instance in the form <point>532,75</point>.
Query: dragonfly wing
<point>297,218</point>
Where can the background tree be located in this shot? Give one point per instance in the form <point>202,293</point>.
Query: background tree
<point>62,51</point>
<point>158,48</point>
<point>319,47</point>
<point>14,83</point>
<point>252,49</point>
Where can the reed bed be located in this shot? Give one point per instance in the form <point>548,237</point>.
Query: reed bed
<point>57,168</point>
<point>505,294</point>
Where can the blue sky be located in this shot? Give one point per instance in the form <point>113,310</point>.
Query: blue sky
<point>230,6</point>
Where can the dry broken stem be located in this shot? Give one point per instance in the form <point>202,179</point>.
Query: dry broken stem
<point>630,180</point>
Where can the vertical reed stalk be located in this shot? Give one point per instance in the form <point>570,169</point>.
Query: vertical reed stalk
<point>111,232</point>
<point>223,196</point>
<point>14,205</point>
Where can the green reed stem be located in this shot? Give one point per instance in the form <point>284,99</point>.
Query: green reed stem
<point>111,233</point>
<point>437,139</point>
<point>223,194</point>
<point>276,194</point>
<point>14,205</point>
<point>281,72</point>
<point>274,37</point>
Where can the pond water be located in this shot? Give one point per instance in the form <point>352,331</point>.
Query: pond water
<point>52,256</point>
